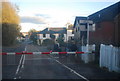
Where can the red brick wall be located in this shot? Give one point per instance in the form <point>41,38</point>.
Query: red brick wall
<point>104,33</point>
<point>117,30</point>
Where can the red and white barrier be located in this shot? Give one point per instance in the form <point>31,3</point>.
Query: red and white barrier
<point>27,53</point>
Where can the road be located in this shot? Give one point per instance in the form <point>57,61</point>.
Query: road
<point>11,62</point>
<point>51,67</point>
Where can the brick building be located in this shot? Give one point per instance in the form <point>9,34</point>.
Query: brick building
<point>107,23</point>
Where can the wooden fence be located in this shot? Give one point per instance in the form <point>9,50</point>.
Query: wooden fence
<point>110,57</point>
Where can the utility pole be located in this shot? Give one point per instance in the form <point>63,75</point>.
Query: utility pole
<point>66,36</point>
<point>88,34</point>
<point>66,31</point>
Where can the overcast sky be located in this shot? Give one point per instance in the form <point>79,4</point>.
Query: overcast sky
<point>39,14</point>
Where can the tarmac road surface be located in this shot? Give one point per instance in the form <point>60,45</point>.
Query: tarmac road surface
<point>51,67</point>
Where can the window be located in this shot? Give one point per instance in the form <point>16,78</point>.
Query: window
<point>86,26</point>
<point>44,35</point>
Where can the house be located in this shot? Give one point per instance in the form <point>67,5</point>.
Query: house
<point>48,32</point>
<point>80,29</point>
<point>70,33</point>
<point>106,26</point>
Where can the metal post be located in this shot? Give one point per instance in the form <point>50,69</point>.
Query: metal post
<point>66,33</point>
<point>88,34</point>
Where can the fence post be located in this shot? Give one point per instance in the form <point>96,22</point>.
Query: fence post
<point>110,58</point>
<point>119,59</point>
<point>100,58</point>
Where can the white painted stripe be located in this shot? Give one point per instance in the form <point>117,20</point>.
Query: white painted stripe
<point>18,68</point>
<point>23,62</point>
<point>19,64</point>
<point>72,70</point>
<point>54,53</point>
<point>25,48</point>
<point>24,58</point>
<point>37,53</point>
<point>15,78</point>
<point>56,57</point>
<point>10,53</point>
<point>71,52</point>
<point>39,58</point>
<point>19,77</point>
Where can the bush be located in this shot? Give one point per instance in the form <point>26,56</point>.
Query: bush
<point>9,33</point>
<point>60,40</point>
<point>48,42</point>
<point>33,37</point>
<point>10,24</point>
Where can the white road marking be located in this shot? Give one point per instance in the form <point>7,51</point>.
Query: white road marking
<point>21,62</point>
<point>56,57</point>
<point>14,78</point>
<point>38,58</point>
<point>19,77</point>
<point>71,70</point>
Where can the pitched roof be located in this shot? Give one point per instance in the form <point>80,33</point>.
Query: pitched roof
<point>108,13</point>
<point>53,31</point>
<point>57,29</point>
<point>79,18</point>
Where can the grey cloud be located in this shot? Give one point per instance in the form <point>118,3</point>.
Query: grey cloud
<point>35,20</point>
<point>43,15</point>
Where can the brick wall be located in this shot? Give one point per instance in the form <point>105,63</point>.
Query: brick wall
<point>104,33</point>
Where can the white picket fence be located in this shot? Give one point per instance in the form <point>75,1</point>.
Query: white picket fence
<point>88,57</point>
<point>110,57</point>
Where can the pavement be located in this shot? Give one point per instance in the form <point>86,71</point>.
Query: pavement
<point>51,67</point>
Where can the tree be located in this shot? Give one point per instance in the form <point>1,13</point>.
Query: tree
<point>60,40</point>
<point>31,31</point>
<point>33,35</point>
<point>10,24</point>
<point>70,26</point>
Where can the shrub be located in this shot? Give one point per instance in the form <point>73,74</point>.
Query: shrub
<point>48,42</point>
